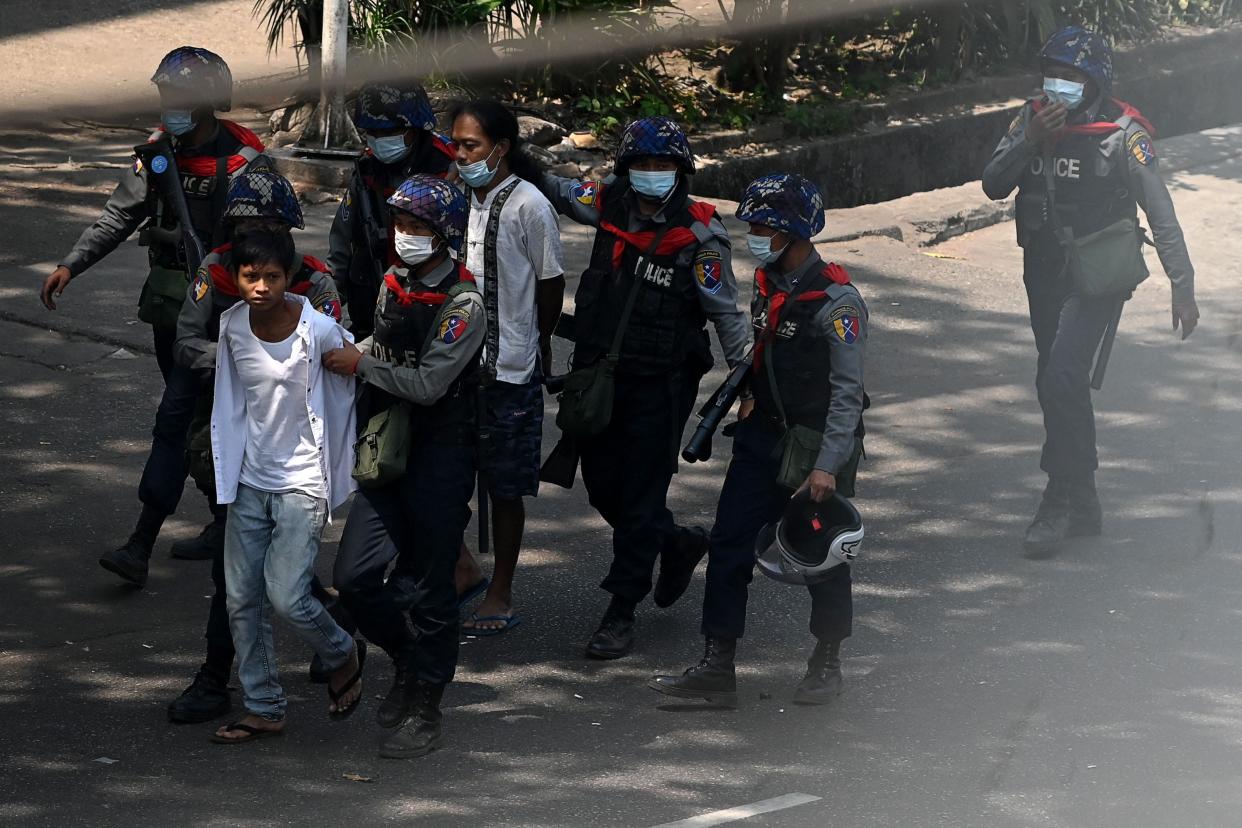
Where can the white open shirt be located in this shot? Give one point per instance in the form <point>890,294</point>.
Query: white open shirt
<point>329,402</point>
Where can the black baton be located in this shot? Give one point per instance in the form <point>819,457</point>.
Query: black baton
<point>1106,347</point>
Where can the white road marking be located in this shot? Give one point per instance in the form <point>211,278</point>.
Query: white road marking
<point>767,806</point>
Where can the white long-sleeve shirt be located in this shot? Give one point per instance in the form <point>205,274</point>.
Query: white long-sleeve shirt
<point>329,403</point>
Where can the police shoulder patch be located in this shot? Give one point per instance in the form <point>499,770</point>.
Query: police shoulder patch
<point>585,192</point>
<point>709,271</point>
<point>847,323</point>
<point>453,325</point>
<point>1140,146</point>
<point>331,308</point>
<point>202,280</point>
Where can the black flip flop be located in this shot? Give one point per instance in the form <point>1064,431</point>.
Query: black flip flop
<point>252,733</point>
<point>335,696</point>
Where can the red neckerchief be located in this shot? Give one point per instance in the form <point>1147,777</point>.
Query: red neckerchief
<point>223,280</point>
<point>832,271</point>
<point>673,241</point>
<point>423,297</point>
<point>206,164</point>
<point>1101,128</point>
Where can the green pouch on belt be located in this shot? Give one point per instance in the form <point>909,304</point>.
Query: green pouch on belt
<point>586,401</point>
<point>797,451</point>
<point>1108,262</point>
<point>162,295</point>
<point>383,451</point>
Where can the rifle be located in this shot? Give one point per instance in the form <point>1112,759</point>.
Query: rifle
<point>1106,347</point>
<point>161,166</point>
<point>374,234</point>
<point>714,410</point>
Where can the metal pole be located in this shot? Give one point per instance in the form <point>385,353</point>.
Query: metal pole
<point>335,48</point>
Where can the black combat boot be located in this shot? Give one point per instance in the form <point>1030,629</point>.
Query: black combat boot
<point>822,682</point>
<point>1086,518</point>
<point>712,679</point>
<point>401,696</point>
<point>1051,524</point>
<point>208,544</point>
<point>206,699</point>
<point>678,559</point>
<point>615,636</point>
<point>420,733</point>
<point>130,560</point>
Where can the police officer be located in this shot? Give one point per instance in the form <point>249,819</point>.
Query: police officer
<point>430,326</point>
<point>193,84</point>
<point>257,201</point>
<point>685,280</point>
<point>399,126</point>
<point>810,331</point>
<point>1098,152</point>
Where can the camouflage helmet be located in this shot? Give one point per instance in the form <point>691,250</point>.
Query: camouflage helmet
<point>784,201</point>
<point>436,202</point>
<point>381,106</point>
<point>657,137</point>
<point>202,74</point>
<point>263,194</point>
<point>1085,51</point>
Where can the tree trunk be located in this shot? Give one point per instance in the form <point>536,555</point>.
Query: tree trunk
<point>947,24</point>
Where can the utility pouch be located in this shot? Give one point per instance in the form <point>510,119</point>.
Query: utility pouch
<point>797,451</point>
<point>1108,262</point>
<point>159,304</point>
<point>382,451</point>
<point>586,401</point>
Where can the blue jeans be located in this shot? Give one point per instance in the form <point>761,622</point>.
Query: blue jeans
<point>270,544</point>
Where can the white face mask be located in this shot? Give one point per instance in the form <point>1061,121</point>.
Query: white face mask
<point>414,250</point>
<point>1064,91</point>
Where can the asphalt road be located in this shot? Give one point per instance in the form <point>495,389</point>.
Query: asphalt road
<point>1097,688</point>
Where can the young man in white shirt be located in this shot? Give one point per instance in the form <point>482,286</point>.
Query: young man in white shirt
<point>281,434</point>
<point>514,249</point>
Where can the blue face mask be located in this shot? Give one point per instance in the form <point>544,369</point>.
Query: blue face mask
<point>655,185</point>
<point>478,174</point>
<point>1064,91</point>
<point>177,121</point>
<point>761,248</point>
<point>389,149</point>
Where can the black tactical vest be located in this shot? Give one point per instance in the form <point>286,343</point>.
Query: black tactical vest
<point>799,355</point>
<point>402,334</point>
<point>667,324</point>
<point>1092,187</point>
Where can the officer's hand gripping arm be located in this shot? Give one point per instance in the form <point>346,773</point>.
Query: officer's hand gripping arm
<point>441,364</point>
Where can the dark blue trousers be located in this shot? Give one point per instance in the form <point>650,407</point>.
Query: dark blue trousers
<point>750,499</point>
<point>163,477</point>
<point>628,468</point>
<point>421,519</point>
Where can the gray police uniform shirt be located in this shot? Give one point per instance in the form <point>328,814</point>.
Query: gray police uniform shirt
<point>127,208</point>
<point>1015,153</point>
<point>845,368</point>
<point>721,307</point>
<point>445,358</point>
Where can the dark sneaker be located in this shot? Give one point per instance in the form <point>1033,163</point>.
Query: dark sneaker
<point>129,562</point>
<point>1050,526</point>
<point>202,701</point>
<point>677,563</point>
<point>208,544</point>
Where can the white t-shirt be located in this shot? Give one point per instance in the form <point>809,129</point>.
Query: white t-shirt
<point>280,453</point>
<point>528,250</point>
